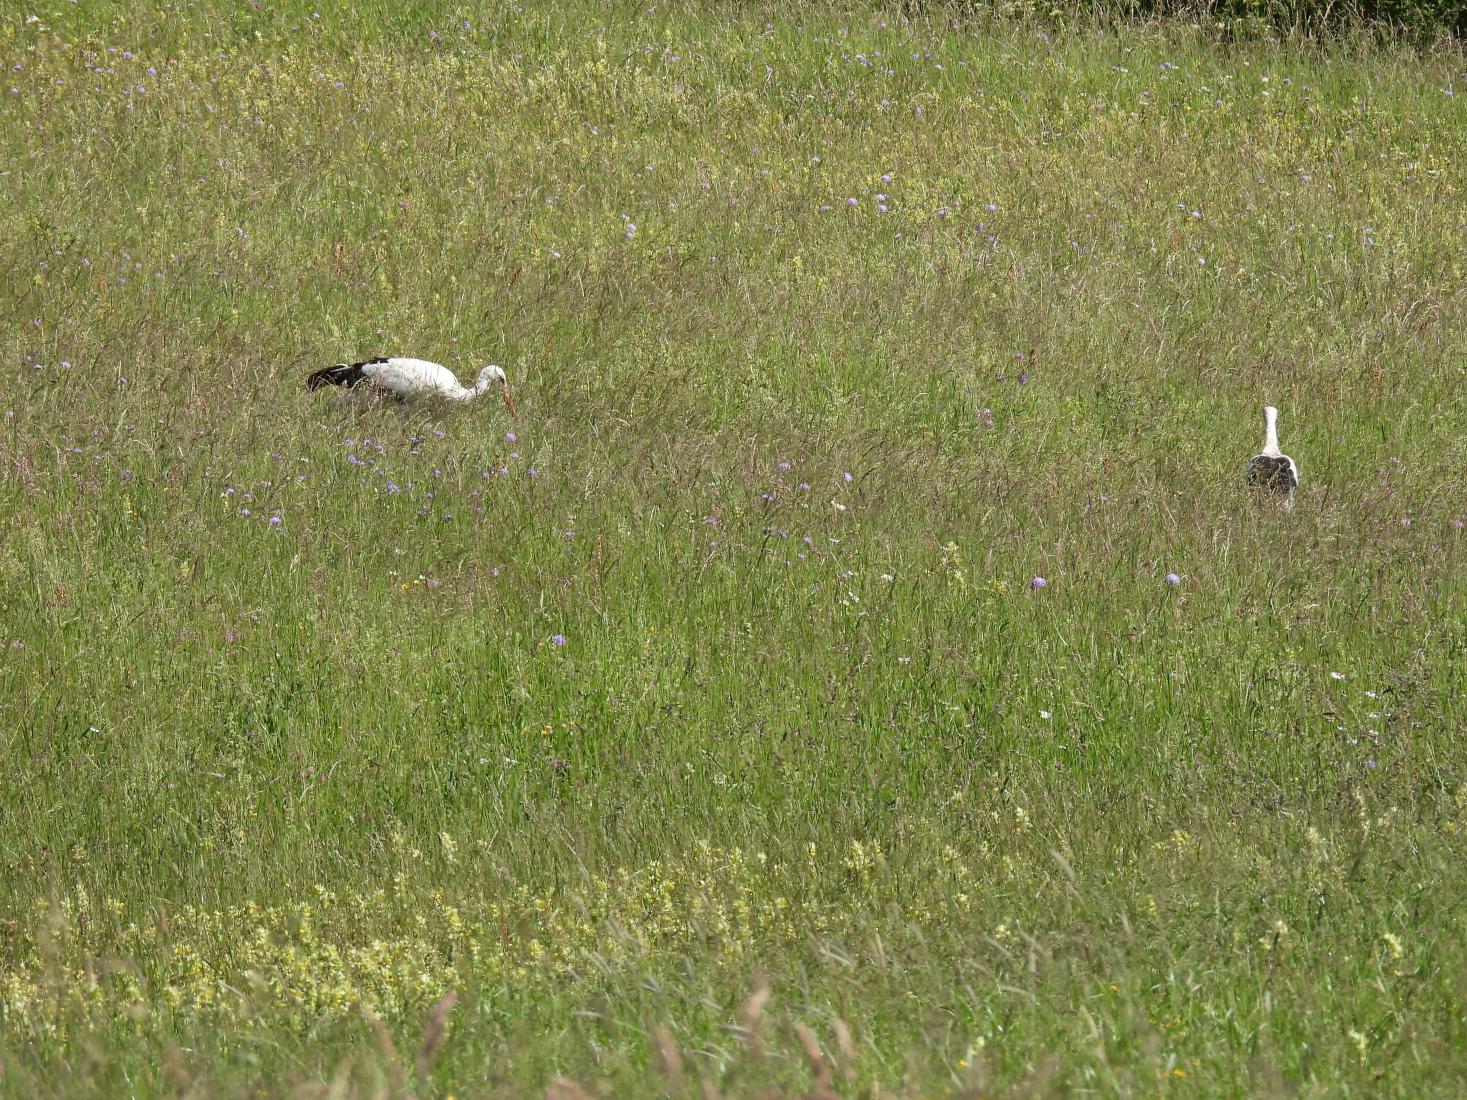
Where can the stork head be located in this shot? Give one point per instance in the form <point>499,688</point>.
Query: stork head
<point>491,377</point>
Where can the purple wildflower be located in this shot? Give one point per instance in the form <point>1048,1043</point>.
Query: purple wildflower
<point>1038,582</point>
<point>1172,578</point>
<point>557,639</point>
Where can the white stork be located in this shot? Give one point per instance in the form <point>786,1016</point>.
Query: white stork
<point>1271,470</point>
<point>411,380</point>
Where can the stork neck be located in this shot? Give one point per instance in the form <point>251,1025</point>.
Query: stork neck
<point>482,385</point>
<point>1271,431</point>
<point>465,394</point>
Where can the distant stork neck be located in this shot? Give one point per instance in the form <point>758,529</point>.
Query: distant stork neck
<point>1271,431</point>
<point>477,390</point>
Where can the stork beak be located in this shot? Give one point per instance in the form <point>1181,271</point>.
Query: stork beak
<point>508,401</point>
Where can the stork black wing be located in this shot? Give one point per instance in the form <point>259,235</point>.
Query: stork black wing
<point>343,374</point>
<point>1275,475</point>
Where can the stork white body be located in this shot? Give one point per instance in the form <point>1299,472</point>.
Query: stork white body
<point>1272,470</point>
<point>413,380</point>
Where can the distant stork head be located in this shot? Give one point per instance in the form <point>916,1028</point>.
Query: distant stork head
<point>492,376</point>
<point>1271,470</point>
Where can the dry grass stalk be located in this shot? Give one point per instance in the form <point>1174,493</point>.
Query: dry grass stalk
<point>749,1018</point>
<point>434,1033</point>
<point>563,1088</point>
<point>669,1061</point>
<point>819,1068</point>
<point>395,1080</point>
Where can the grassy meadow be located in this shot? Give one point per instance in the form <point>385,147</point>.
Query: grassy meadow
<point>861,670</point>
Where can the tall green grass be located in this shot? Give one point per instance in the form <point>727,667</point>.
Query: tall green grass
<point>715,700</point>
